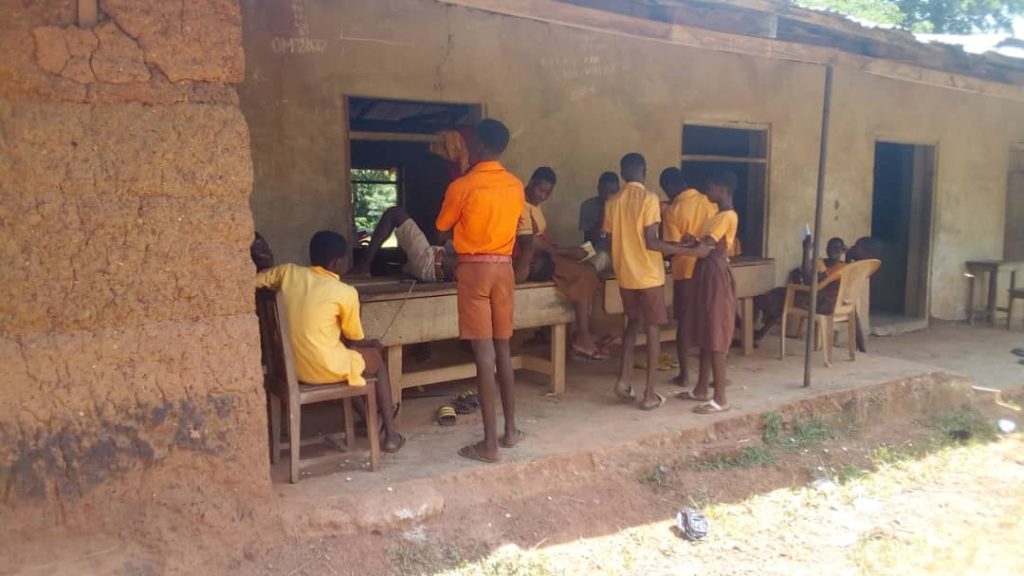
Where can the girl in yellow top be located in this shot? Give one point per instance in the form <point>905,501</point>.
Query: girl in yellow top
<point>712,307</point>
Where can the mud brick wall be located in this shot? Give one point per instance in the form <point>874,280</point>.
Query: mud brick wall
<point>128,345</point>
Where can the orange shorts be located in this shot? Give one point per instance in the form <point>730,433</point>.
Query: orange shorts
<point>486,291</point>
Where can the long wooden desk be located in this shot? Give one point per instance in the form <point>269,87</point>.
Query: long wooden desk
<point>977,268</point>
<point>399,313</point>
<point>753,276</point>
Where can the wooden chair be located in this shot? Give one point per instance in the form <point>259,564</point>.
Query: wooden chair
<point>1015,294</point>
<point>284,387</point>
<point>851,279</point>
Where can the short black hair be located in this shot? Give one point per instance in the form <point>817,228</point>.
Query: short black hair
<point>608,177</point>
<point>672,181</point>
<point>632,161</point>
<point>325,246</point>
<point>493,135</point>
<point>724,178</point>
<point>546,174</point>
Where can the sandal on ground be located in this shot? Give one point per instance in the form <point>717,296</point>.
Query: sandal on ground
<point>689,395</point>
<point>659,404</point>
<point>621,395</point>
<point>710,407</point>
<point>394,447</point>
<point>446,415</point>
<point>469,451</point>
<point>467,402</point>
<point>504,443</point>
<point>587,356</point>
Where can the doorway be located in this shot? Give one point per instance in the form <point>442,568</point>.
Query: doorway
<point>901,220</point>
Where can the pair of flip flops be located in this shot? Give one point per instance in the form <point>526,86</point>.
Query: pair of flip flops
<point>466,402</point>
<point>631,397</point>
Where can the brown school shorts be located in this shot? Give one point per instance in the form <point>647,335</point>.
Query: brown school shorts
<point>647,304</point>
<point>486,292</point>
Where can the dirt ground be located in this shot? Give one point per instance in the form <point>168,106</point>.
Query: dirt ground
<point>941,495</point>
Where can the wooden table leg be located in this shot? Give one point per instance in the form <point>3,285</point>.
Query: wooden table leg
<point>395,372</point>
<point>558,335</point>
<point>970,300</point>
<point>993,282</point>
<point>748,326</point>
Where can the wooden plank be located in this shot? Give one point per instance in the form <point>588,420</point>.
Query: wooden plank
<point>432,318</point>
<point>557,374</point>
<point>747,336</point>
<point>392,137</point>
<point>714,158</point>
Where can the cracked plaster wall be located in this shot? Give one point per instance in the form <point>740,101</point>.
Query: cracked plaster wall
<point>131,383</point>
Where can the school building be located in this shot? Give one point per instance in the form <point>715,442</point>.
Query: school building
<point>144,142</point>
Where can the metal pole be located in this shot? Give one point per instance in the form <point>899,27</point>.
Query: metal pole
<point>826,109</point>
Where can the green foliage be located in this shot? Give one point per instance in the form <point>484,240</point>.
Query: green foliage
<point>773,429</point>
<point>749,457</point>
<point>810,432</point>
<point>962,425</point>
<point>373,192</point>
<point>930,16</point>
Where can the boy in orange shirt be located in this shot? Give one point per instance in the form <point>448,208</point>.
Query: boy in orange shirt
<point>631,219</point>
<point>483,209</point>
<point>684,220</point>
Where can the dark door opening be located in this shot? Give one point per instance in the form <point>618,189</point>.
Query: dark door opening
<point>901,219</point>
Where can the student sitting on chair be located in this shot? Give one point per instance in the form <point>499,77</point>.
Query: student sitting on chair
<point>425,262</point>
<point>326,332</point>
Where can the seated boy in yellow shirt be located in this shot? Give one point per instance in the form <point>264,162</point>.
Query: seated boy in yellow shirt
<point>323,316</point>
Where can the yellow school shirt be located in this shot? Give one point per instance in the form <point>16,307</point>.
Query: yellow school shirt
<point>688,214</point>
<point>532,221</point>
<point>626,214</point>
<point>321,308</point>
<point>723,225</point>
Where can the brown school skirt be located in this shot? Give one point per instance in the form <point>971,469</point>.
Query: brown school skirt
<point>577,281</point>
<point>711,311</point>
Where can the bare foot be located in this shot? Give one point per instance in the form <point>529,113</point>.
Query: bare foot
<point>624,391</point>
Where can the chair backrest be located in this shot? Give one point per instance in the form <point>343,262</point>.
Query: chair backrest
<point>275,339</point>
<point>852,279</point>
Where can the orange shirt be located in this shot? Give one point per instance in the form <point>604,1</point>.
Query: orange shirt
<point>687,214</point>
<point>484,208</point>
<point>626,214</point>
<point>723,226</point>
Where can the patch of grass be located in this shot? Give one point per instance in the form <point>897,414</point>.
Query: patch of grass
<point>886,454</point>
<point>657,476</point>
<point>850,473</point>
<point>962,425</point>
<point>773,429</point>
<point>749,457</point>
<point>424,559</point>
<point>810,432</point>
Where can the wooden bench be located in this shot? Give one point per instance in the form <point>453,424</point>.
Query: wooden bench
<point>753,276</point>
<point>399,313</point>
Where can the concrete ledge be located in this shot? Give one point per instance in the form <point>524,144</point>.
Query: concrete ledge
<point>389,506</point>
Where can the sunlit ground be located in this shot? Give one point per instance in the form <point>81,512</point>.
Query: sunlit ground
<point>959,510</point>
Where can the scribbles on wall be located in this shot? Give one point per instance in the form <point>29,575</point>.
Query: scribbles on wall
<point>300,42</point>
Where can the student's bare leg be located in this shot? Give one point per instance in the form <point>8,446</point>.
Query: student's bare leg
<point>391,218</point>
<point>718,368</point>
<point>487,390</point>
<point>703,375</point>
<point>653,332</point>
<point>506,386</point>
<point>682,343</point>
<point>584,339</point>
<point>392,440</point>
<point>624,386</point>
